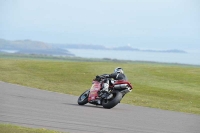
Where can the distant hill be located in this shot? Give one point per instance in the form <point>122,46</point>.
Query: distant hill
<point>31,47</point>
<point>37,47</point>
<point>123,48</point>
<point>23,44</point>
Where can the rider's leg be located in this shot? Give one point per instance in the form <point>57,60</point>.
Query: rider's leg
<point>105,86</point>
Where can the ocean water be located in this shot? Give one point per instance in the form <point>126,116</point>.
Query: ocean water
<point>180,58</point>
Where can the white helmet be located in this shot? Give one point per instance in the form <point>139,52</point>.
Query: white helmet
<point>118,70</point>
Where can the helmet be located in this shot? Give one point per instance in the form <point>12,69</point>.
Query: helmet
<point>118,70</point>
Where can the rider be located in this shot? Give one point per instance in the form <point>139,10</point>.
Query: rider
<point>117,75</point>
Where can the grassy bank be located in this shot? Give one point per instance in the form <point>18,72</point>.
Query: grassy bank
<point>7,128</point>
<point>164,86</point>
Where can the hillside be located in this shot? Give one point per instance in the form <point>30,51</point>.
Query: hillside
<point>120,48</point>
<point>31,47</point>
<point>37,47</point>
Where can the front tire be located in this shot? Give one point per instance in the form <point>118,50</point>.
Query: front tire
<point>83,98</point>
<point>110,103</point>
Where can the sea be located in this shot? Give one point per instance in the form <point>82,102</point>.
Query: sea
<point>190,58</point>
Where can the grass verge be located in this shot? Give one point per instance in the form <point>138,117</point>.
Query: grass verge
<point>164,86</point>
<point>8,128</point>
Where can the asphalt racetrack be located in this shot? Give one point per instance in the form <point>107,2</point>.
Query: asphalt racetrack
<point>31,107</point>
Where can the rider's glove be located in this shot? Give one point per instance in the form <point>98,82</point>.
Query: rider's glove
<point>97,77</point>
<point>107,76</point>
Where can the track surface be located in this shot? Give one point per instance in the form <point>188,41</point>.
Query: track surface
<point>43,109</point>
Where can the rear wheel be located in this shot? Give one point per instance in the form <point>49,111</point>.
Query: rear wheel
<point>110,103</point>
<point>83,98</point>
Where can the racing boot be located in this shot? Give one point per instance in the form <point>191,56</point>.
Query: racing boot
<point>105,87</point>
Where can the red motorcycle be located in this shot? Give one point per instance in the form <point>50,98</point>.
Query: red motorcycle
<point>108,99</point>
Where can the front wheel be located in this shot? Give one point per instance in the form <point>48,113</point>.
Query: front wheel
<point>83,99</point>
<point>110,103</point>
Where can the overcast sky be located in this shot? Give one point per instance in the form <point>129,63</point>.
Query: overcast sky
<point>146,24</point>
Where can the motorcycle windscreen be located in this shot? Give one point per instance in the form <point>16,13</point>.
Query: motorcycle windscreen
<point>96,86</point>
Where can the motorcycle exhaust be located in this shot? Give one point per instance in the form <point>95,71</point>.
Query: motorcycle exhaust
<point>126,90</point>
<point>121,86</point>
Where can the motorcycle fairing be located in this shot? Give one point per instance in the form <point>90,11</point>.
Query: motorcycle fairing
<point>96,86</point>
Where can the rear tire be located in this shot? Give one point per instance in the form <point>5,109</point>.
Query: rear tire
<point>83,98</point>
<point>110,103</point>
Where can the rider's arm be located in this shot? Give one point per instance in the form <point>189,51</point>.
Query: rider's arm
<point>113,75</point>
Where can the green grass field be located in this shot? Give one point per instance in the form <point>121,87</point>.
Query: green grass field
<point>164,86</point>
<point>7,128</point>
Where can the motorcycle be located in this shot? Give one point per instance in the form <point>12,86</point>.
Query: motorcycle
<point>108,99</point>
